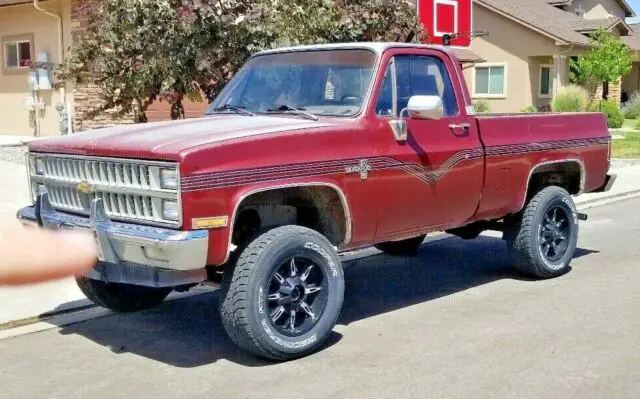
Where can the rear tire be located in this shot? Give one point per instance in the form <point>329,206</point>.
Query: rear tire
<point>542,239</point>
<point>123,298</point>
<point>405,247</point>
<point>283,296</point>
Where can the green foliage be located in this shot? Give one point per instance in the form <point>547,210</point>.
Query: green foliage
<point>637,124</point>
<point>139,51</point>
<point>482,106</point>
<point>608,60</point>
<point>613,113</point>
<point>570,98</point>
<point>632,108</point>
<point>530,109</point>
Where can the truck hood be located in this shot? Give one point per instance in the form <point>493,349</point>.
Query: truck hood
<point>166,140</point>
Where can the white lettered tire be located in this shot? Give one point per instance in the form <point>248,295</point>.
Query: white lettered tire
<point>284,295</point>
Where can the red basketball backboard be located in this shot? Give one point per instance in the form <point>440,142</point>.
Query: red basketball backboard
<point>447,17</point>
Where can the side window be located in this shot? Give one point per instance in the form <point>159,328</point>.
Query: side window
<point>424,75</point>
<point>384,106</point>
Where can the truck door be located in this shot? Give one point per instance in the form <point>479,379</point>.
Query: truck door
<point>436,177</point>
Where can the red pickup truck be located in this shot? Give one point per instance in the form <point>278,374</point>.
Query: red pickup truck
<point>307,152</point>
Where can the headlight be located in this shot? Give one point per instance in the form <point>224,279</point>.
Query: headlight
<point>37,190</point>
<point>170,210</point>
<point>39,166</point>
<point>36,166</point>
<point>169,179</point>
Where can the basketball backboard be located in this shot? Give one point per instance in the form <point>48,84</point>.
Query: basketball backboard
<point>447,17</point>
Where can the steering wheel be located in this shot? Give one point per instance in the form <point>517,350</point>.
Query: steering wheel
<point>350,100</point>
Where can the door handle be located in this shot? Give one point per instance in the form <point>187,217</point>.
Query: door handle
<point>464,126</point>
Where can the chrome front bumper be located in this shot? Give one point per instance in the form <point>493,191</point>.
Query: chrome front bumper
<point>129,253</point>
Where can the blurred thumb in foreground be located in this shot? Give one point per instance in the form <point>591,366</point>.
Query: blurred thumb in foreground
<point>32,255</point>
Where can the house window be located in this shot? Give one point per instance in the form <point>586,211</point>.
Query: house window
<point>17,52</point>
<point>490,80</point>
<point>545,81</point>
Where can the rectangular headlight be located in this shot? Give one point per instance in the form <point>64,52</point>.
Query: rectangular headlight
<point>170,210</point>
<point>169,179</point>
<point>39,166</point>
<point>35,165</point>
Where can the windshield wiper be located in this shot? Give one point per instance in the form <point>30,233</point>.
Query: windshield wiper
<point>238,109</point>
<point>296,111</point>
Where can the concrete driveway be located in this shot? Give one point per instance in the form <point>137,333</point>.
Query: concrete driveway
<point>456,321</point>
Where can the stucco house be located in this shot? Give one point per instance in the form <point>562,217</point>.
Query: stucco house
<point>523,60</point>
<point>526,53</point>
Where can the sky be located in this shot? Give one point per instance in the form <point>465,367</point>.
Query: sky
<point>635,4</point>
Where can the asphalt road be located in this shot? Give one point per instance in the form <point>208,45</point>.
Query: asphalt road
<point>455,322</point>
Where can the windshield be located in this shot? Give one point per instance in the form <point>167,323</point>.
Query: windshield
<point>330,83</point>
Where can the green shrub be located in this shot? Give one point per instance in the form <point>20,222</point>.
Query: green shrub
<point>637,124</point>
<point>531,109</point>
<point>482,106</point>
<point>632,108</point>
<point>571,98</point>
<point>615,118</point>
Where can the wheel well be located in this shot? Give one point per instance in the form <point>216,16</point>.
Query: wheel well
<point>320,208</point>
<point>567,175</point>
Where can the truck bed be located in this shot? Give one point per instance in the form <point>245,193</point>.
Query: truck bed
<point>517,144</point>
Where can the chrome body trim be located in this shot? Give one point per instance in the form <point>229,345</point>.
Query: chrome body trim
<point>122,243</point>
<point>338,190</point>
<point>558,161</point>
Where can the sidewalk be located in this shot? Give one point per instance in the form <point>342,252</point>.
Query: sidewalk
<point>17,304</point>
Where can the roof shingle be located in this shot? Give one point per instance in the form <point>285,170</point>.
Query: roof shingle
<point>554,21</point>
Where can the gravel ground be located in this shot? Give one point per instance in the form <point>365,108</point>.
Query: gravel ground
<point>13,154</point>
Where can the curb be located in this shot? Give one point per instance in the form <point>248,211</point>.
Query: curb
<point>612,197</point>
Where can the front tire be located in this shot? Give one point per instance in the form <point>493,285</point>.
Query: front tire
<point>285,294</point>
<point>405,247</point>
<point>543,238</point>
<point>122,298</point>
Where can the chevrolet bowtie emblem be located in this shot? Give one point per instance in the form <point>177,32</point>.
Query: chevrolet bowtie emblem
<point>84,187</point>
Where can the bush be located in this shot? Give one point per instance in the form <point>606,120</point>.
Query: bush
<point>632,108</point>
<point>531,109</point>
<point>615,118</point>
<point>482,106</point>
<point>571,98</point>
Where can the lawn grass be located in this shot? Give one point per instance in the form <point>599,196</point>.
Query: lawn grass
<point>628,148</point>
<point>630,124</point>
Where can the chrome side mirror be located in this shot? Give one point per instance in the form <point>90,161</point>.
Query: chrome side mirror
<point>419,107</point>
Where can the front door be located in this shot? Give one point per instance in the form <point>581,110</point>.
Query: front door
<point>436,175</point>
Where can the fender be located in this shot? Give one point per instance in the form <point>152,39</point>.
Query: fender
<point>247,193</point>
<point>557,161</point>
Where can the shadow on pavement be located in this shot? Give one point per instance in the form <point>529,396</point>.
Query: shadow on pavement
<point>188,332</point>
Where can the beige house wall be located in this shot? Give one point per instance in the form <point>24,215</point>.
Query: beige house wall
<point>520,49</point>
<point>14,86</point>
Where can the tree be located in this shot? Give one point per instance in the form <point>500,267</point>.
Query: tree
<point>608,60</point>
<point>141,51</point>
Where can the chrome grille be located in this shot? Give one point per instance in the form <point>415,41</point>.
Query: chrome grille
<point>130,190</point>
<point>117,174</point>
